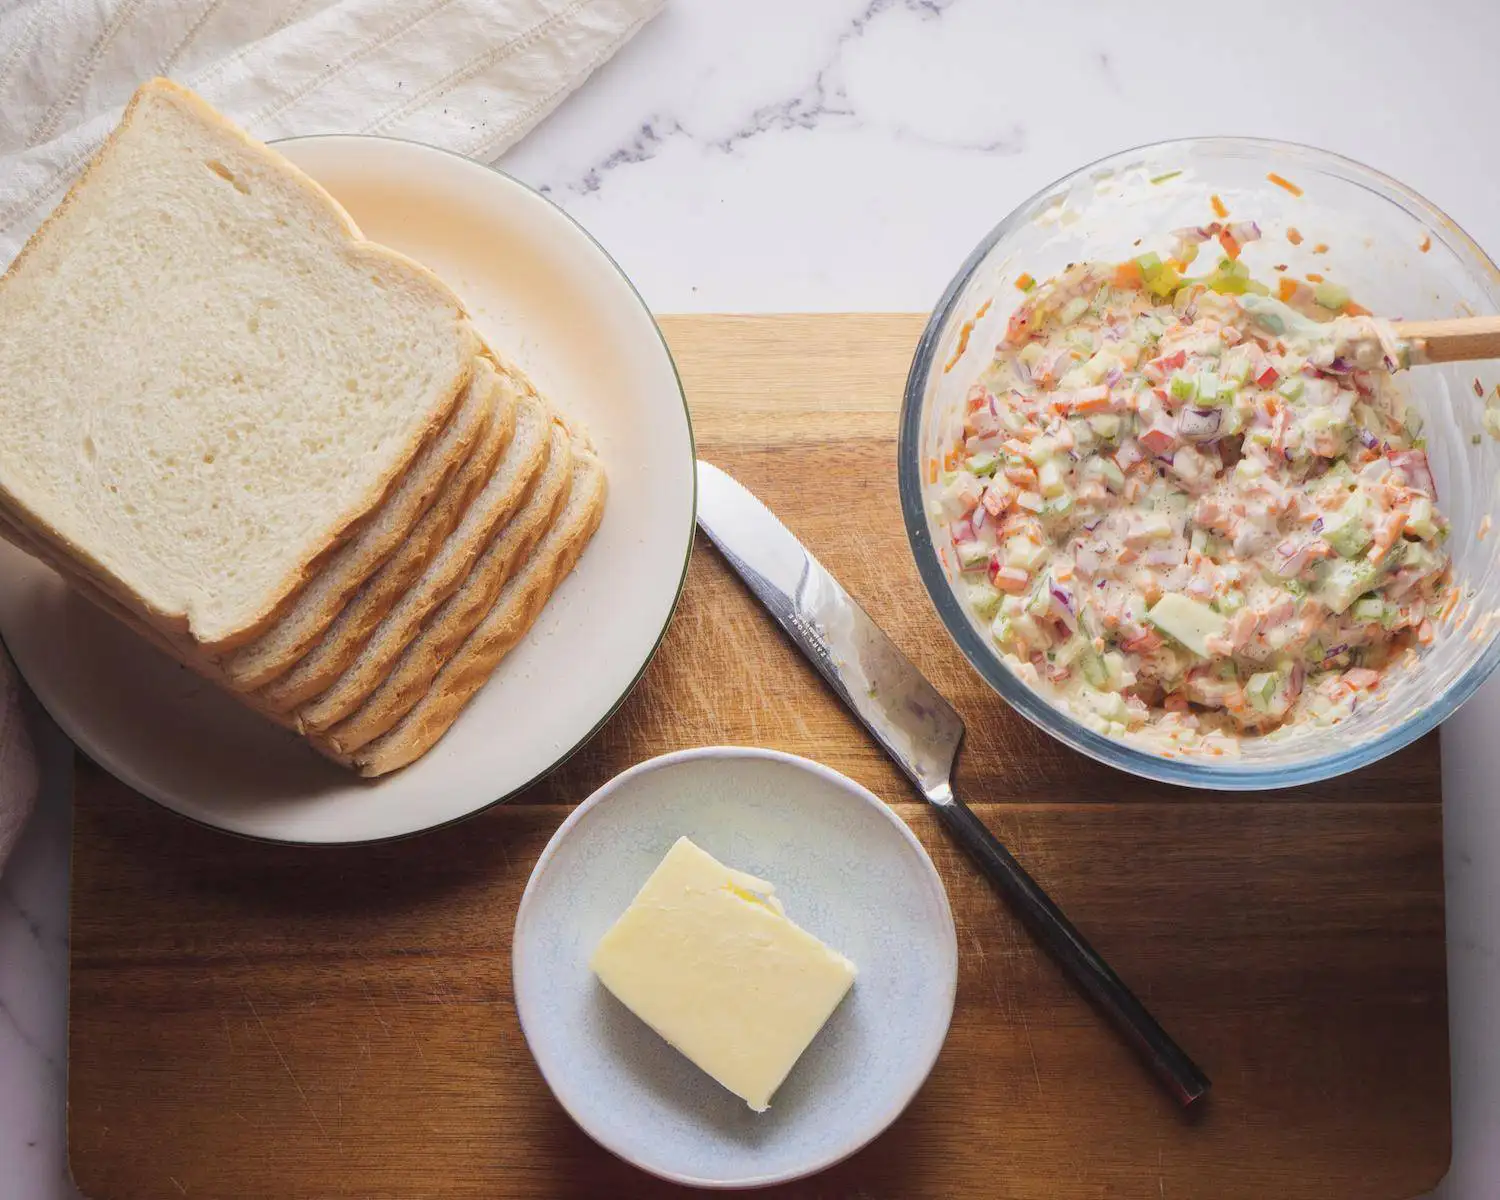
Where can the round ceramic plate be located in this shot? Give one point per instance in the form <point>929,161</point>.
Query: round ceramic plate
<point>847,869</point>
<point>548,297</point>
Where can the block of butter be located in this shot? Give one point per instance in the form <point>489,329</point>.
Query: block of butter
<point>707,958</point>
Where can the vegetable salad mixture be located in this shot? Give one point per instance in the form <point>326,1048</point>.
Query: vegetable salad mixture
<point>1188,510</point>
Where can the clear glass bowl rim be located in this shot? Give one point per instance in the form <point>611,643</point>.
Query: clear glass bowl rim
<point>1219,774</point>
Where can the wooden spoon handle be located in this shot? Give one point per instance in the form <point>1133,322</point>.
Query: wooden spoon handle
<point>1457,340</point>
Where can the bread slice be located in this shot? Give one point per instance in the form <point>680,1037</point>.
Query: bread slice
<point>336,650</point>
<point>526,463</point>
<point>320,602</point>
<point>514,612</point>
<point>208,377</point>
<point>412,673</point>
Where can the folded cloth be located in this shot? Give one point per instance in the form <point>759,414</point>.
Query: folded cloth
<point>467,75</point>
<point>18,776</point>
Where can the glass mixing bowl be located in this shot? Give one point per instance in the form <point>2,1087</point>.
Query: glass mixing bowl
<point>1398,255</point>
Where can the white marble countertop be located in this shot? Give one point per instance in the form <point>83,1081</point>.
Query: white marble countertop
<point>846,155</point>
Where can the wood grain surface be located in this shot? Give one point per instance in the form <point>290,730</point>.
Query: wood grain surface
<point>264,1021</point>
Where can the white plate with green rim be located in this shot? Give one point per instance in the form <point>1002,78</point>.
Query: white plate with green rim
<point>546,296</point>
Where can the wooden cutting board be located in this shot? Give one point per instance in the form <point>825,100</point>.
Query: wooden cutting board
<point>262,1021</point>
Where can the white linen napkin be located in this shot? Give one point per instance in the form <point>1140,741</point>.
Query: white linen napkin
<point>467,75</point>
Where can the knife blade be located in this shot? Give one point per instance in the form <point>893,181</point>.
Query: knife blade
<point>921,732</point>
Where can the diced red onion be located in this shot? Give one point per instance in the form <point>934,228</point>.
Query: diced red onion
<point>1317,526</point>
<point>1023,372</point>
<point>978,519</point>
<point>1413,464</point>
<point>961,530</point>
<point>1062,607</point>
<point>1113,376</point>
<point>1243,231</point>
<point>1199,424</point>
<point>1094,524</point>
<point>1368,440</point>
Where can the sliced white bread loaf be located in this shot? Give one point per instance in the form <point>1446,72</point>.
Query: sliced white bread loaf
<point>341,643</point>
<point>316,606</point>
<point>519,604</point>
<point>527,465</point>
<point>411,673</point>
<point>208,378</point>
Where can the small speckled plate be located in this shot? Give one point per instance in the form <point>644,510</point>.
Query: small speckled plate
<point>847,869</point>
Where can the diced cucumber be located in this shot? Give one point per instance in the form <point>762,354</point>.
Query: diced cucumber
<point>1186,621</point>
<point>1031,353</point>
<point>1149,263</point>
<point>1295,586</point>
<point>1261,688</point>
<point>1041,450</point>
<point>1039,603</point>
<point>983,463</point>
<point>1345,581</point>
<point>1331,295</point>
<point>1059,507</point>
<point>1291,387</point>
<point>984,600</point>
<point>1050,480</point>
<point>1072,310</point>
<point>1091,665</point>
<point>1209,388</point>
<point>1249,469</point>
<point>1106,425</point>
<point>1024,554</point>
<point>1184,386</point>
<point>1199,541</point>
<point>1157,527</point>
<point>1371,608</point>
<point>1113,477</point>
<point>1350,537</point>
<point>1230,602</point>
<point>1419,519</point>
<point>972,556</point>
<point>1236,369</point>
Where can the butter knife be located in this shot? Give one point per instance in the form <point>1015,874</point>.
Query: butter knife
<point>921,732</point>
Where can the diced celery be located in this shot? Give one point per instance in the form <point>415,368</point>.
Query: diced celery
<point>1331,295</point>
<point>1031,353</point>
<point>1199,541</point>
<point>1184,386</point>
<point>1149,263</point>
<point>1109,470</point>
<point>1039,603</point>
<point>1291,387</point>
<point>984,600</point>
<point>1236,367</point>
<point>1230,602</point>
<point>1248,469</point>
<point>983,463</point>
<point>1157,527</point>
<point>1295,586</point>
<point>1059,507</point>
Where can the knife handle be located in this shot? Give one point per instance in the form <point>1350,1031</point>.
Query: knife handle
<point>1074,954</point>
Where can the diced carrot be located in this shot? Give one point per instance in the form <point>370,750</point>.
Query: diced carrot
<point>932,470</point>
<point>1425,244</point>
<point>1218,206</point>
<point>950,460</point>
<point>1128,275</point>
<point>1484,529</point>
<point>1062,573</point>
<point>1361,677</point>
<point>1294,235</point>
<point>1025,282</point>
<point>1090,401</point>
<point>1321,248</point>
<point>1355,310</point>
<point>1386,534</point>
<point>982,309</point>
<point>1231,246</point>
<point>1272,177</point>
<point>1286,289</point>
<point>1021,476</point>
<point>963,344</point>
<point>1314,277</point>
